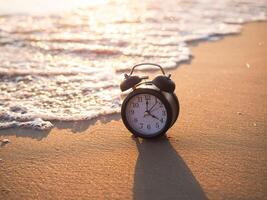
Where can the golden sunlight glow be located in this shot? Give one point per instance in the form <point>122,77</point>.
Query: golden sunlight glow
<point>44,7</point>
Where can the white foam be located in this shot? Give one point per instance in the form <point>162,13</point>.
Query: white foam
<point>67,66</point>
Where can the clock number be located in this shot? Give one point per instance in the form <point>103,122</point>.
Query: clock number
<point>135,120</point>
<point>135,105</point>
<point>141,125</point>
<point>139,99</point>
<point>157,125</point>
<point>131,112</point>
<point>161,120</point>
<point>148,126</point>
<point>163,113</point>
<point>147,97</point>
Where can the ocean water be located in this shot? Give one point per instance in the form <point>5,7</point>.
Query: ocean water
<point>65,61</point>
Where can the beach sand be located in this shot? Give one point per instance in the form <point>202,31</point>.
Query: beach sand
<point>216,150</point>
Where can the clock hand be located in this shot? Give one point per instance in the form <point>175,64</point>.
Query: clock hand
<point>153,106</point>
<point>154,109</point>
<point>146,112</point>
<point>154,117</point>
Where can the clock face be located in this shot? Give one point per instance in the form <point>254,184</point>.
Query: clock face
<point>146,114</point>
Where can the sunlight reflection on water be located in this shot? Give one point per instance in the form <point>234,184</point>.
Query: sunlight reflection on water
<point>57,65</point>
<point>41,7</point>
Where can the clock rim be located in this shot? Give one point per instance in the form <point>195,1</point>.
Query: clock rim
<point>160,97</point>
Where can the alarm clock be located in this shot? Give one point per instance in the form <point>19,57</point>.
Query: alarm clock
<point>151,107</point>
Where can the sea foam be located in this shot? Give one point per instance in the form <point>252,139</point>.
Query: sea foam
<point>67,66</point>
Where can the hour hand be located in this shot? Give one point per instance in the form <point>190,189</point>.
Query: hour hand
<point>154,116</point>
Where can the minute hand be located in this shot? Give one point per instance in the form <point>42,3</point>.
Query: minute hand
<point>147,106</point>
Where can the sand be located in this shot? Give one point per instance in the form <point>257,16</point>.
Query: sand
<point>216,150</point>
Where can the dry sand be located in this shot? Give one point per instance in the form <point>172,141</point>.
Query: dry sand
<point>216,150</point>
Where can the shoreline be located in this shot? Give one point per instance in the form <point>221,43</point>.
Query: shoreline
<point>116,115</point>
<point>216,149</point>
<point>53,121</point>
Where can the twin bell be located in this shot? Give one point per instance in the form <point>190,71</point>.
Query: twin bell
<point>162,82</point>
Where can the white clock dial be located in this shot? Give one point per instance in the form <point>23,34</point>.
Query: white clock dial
<point>146,114</point>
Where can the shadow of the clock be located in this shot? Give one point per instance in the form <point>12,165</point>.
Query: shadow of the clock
<point>160,173</point>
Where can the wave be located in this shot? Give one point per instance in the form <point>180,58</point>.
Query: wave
<point>67,66</point>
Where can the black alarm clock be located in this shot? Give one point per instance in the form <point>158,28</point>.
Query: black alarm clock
<point>152,107</point>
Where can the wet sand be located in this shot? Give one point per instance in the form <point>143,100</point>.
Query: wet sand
<point>216,150</point>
